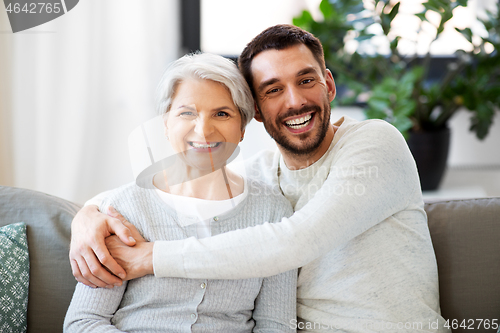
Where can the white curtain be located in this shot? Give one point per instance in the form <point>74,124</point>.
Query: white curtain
<point>73,89</point>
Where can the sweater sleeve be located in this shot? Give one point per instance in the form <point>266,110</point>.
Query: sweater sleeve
<point>350,201</point>
<point>91,309</point>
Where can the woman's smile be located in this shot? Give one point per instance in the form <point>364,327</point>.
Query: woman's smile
<point>204,146</point>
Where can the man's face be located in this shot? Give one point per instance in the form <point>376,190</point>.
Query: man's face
<point>293,97</point>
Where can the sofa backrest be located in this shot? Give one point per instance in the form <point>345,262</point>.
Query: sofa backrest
<point>466,239</point>
<point>48,221</point>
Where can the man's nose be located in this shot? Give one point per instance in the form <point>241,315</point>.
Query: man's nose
<point>295,98</point>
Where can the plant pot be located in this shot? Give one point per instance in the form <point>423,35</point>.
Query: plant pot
<point>430,150</point>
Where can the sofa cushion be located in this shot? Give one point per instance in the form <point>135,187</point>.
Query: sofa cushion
<point>14,278</point>
<point>48,221</point>
<point>465,235</point>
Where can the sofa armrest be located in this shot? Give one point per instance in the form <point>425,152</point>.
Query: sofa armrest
<point>466,238</point>
<point>48,221</point>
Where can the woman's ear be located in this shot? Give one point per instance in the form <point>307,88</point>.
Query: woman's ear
<point>242,134</point>
<point>165,123</point>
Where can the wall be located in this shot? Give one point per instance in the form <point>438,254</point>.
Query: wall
<point>6,167</point>
<point>80,84</point>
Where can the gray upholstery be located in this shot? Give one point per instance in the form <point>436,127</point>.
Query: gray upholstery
<point>466,239</point>
<point>465,234</point>
<point>48,222</point>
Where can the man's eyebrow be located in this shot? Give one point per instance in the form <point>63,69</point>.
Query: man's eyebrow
<point>266,83</point>
<point>307,70</point>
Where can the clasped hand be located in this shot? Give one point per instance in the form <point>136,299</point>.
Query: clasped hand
<point>107,249</point>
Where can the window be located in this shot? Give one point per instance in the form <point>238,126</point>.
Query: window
<point>227,25</point>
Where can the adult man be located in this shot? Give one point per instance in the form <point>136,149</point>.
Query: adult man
<point>359,230</point>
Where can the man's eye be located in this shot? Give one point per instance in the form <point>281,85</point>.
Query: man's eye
<point>272,91</point>
<point>306,81</point>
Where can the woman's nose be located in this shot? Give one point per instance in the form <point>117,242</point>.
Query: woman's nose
<point>295,98</point>
<point>203,127</point>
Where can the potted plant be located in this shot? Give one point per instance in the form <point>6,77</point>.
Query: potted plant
<point>405,89</point>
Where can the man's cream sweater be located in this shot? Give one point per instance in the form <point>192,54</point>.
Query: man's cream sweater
<point>359,234</point>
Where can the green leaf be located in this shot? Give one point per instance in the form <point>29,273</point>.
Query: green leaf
<point>432,5</point>
<point>402,123</point>
<point>378,106</point>
<point>446,16</point>
<point>394,11</point>
<point>467,33</point>
<point>374,113</point>
<point>440,29</point>
<point>303,21</point>
<point>363,37</point>
<point>422,17</point>
<point>406,85</point>
<point>444,4</point>
<point>326,9</point>
<point>418,72</point>
<point>406,109</point>
<point>481,121</point>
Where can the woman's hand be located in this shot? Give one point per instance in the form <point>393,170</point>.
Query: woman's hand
<point>136,260</point>
<point>90,260</point>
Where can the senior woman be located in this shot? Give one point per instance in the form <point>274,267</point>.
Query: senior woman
<point>206,105</point>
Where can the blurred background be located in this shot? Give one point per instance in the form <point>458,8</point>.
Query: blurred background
<point>73,89</point>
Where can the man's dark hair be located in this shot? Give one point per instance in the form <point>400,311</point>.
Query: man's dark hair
<point>278,37</point>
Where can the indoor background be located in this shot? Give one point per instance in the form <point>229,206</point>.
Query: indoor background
<point>73,89</point>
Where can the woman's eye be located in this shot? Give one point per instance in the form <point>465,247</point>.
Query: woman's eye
<point>187,114</point>
<point>222,114</point>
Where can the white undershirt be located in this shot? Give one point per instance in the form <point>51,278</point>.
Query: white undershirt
<point>203,210</point>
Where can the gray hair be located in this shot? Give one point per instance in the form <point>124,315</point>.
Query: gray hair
<point>206,66</point>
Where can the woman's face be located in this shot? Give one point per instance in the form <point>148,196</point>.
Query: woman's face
<point>203,124</point>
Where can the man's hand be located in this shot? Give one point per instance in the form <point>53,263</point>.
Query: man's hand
<point>136,260</point>
<point>91,261</point>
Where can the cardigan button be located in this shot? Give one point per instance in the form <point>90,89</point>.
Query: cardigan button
<point>203,285</point>
<point>216,218</point>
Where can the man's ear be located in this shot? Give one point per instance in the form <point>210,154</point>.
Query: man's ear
<point>330,84</point>
<point>257,115</point>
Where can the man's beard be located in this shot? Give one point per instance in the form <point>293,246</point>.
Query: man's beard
<point>310,144</point>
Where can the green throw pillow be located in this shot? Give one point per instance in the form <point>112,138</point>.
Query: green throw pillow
<point>14,278</point>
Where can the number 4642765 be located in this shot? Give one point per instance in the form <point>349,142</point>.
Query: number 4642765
<point>471,324</point>
<point>34,8</point>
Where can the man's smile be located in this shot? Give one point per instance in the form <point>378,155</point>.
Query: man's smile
<point>301,123</point>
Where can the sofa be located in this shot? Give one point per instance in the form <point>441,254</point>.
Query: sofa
<point>465,234</point>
